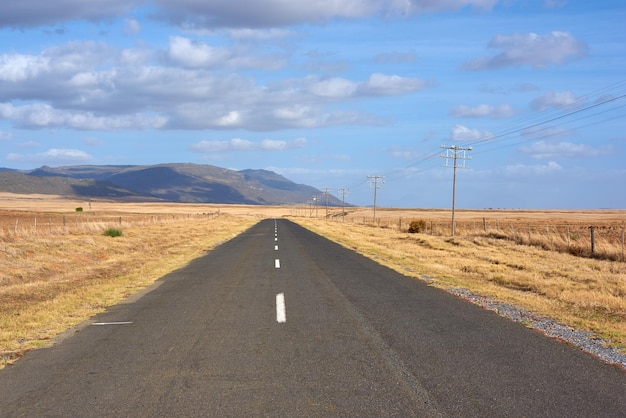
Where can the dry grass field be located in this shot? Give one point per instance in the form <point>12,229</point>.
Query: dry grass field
<point>57,268</point>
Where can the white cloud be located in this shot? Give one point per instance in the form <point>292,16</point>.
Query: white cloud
<point>532,170</point>
<point>333,88</point>
<point>376,85</point>
<point>90,85</point>
<point>382,84</point>
<point>482,111</point>
<point>239,145</point>
<point>559,99</point>
<point>53,156</point>
<point>5,136</point>
<point>233,118</point>
<point>16,67</point>
<point>195,54</point>
<point>462,133</point>
<point>259,35</point>
<point>132,26</point>
<point>39,115</point>
<point>530,49</point>
<point>542,150</point>
<point>402,153</point>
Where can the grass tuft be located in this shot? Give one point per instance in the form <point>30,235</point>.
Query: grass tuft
<point>113,232</point>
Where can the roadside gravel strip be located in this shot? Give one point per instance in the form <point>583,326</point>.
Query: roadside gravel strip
<point>586,341</point>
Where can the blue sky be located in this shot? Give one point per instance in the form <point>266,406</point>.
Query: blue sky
<point>328,93</point>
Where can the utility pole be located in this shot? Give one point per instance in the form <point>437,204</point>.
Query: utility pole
<point>343,192</point>
<point>326,192</point>
<point>376,183</point>
<point>456,153</point>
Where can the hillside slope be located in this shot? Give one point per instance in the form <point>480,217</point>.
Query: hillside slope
<point>187,183</point>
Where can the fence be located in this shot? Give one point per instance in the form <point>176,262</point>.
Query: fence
<point>13,225</point>
<point>604,240</point>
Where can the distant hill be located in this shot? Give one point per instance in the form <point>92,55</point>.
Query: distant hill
<point>185,183</point>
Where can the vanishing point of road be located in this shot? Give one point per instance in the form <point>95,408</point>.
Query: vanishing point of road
<point>282,322</point>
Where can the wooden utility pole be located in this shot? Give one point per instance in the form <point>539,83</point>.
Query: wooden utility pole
<point>343,192</point>
<point>376,183</point>
<point>457,154</point>
<point>326,193</point>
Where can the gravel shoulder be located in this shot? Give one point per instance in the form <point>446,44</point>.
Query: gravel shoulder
<point>585,341</point>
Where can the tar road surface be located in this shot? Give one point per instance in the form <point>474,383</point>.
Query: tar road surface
<point>281,322</point>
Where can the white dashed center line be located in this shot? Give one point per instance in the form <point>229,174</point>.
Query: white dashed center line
<point>277,263</point>
<point>275,247</point>
<point>281,314</point>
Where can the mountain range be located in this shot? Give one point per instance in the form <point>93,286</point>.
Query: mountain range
<point>185,183</point>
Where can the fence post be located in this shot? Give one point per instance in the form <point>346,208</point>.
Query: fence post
<point>568,237</point>
<point>623,254</point>
<point>485,224</point>
<point>35,225</point>
<point>593,240</point>
<point>16,221</point>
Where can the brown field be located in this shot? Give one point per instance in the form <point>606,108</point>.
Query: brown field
<point>57,268</point>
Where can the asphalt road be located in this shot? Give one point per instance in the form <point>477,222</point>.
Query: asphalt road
<point>282,322</point>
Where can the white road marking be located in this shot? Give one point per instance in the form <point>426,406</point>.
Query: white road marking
<point>275,239</point>
<point>277,263</point>
<point>111,323</point>
<point>281,314</point>
<point>275,247</point>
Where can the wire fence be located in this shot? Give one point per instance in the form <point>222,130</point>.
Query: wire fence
<point>16,225</point>
<point>602,239</point>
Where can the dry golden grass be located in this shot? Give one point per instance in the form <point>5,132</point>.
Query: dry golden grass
<point>585,293</point>
<point>58,269</point>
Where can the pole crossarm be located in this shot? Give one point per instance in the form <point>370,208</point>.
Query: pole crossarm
<point>457,154</point>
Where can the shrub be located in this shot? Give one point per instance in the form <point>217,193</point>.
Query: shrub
<point>113,232</point>
<point>79,209</point>
<point>418,226</point>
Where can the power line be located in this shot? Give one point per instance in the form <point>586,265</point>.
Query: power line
<point>542,121</point>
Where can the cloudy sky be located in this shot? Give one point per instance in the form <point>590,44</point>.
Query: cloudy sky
<point>329,92</point>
